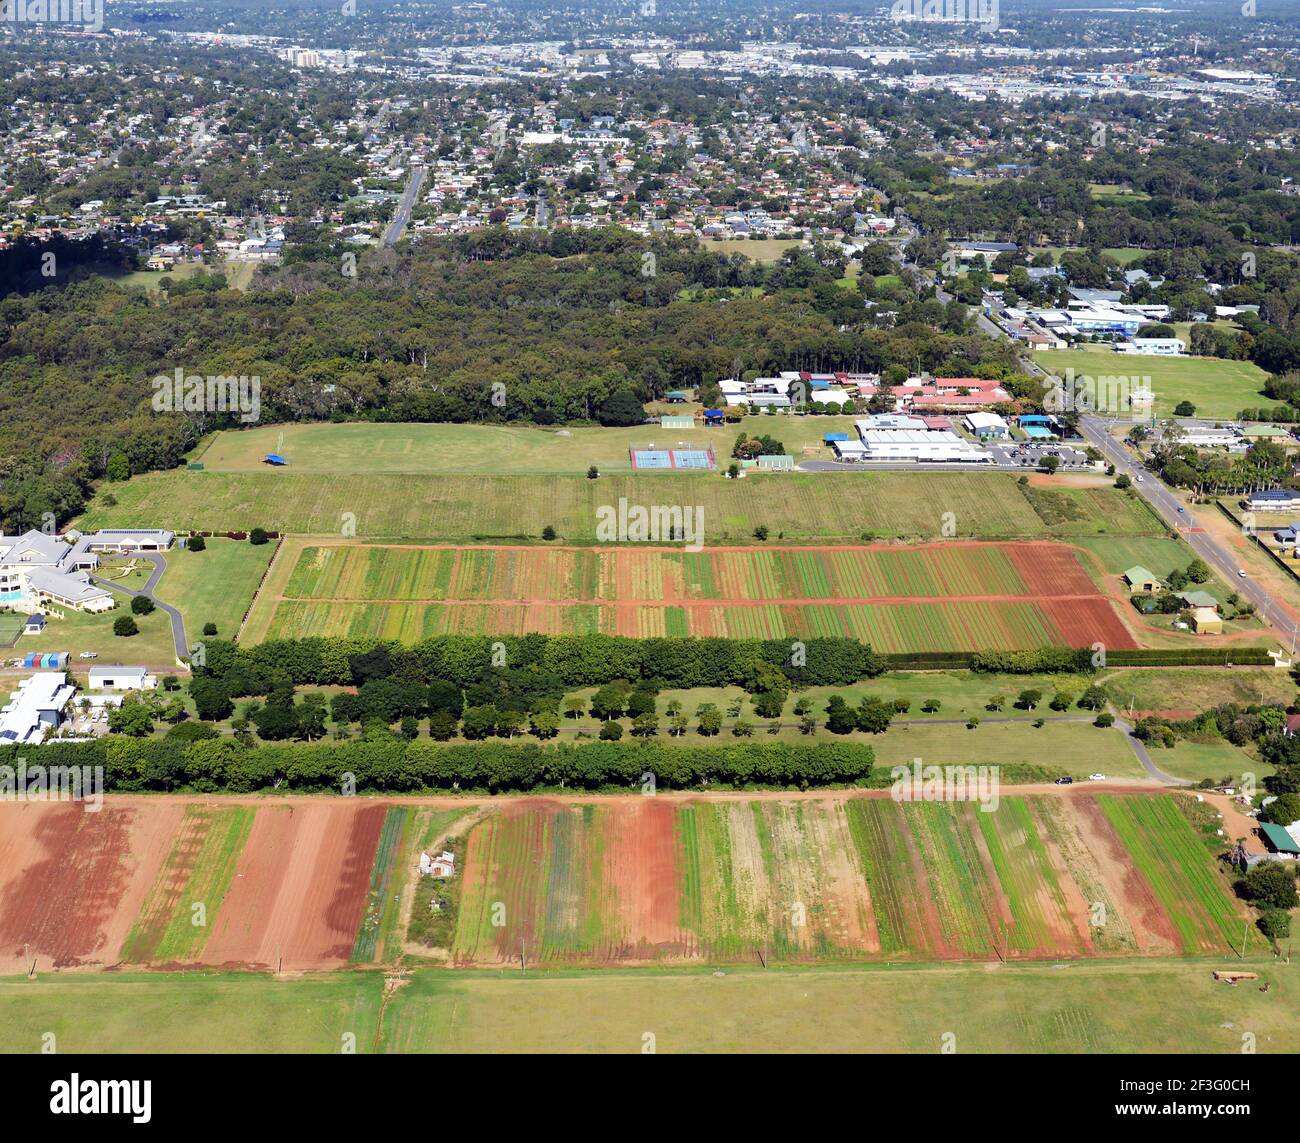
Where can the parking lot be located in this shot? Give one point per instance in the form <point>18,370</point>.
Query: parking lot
<point>1015,454</point>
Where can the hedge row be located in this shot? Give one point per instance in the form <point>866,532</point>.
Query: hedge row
<point>132,764</point>
<point>1068,659</point>
<point>575,660</point>
<point>1191,657</point>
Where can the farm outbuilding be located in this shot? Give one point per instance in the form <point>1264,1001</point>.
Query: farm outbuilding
<point>1279,840</point>
<point>1139,578</point>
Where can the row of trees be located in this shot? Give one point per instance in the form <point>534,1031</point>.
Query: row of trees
<point>395,766</point>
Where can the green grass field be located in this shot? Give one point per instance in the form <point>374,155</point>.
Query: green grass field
<point>427,448</point>
<point>1119,1006</point>
<point>1074,748</point>
<point>795,506</point>
<point>759,249</point>
<point>1186,688</point>
<point>1218,388</point>
<point>215,585</point>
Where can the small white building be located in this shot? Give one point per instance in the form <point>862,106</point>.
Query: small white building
<point>987,426</point>
<point>444,865</point>
<point>121,678</point>
<point>1152,346</point>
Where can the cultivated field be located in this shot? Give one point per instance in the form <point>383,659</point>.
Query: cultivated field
<point>641,880</point>
<point>313,883</point>
<point>949,596</point>
<point>826,507</point>
<point>166,883</point>
<point>1217,387</point>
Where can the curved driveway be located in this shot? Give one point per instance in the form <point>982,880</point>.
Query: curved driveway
<point>159,566</point>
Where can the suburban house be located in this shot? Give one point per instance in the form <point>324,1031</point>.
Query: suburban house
<point>39,570</point>
<point>121,679</point>
<point>1139,579</point>
<point>35,709</point>
<point>1272,500</point>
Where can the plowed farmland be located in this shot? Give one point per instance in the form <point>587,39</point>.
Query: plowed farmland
<point>841,879</point>
<point>303,884</point>
<point>939,597</point>
<point>159,882</point>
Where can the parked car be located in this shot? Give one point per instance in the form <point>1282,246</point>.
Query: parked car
<point>88,655</point>
<point>1096,777</point>
<point>1065,781</point>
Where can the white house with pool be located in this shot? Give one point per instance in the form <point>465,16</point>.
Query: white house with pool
<point>38,571</point>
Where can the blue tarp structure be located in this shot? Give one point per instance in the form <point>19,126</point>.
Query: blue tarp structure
<point>714,415</point>
<point>274,458</point>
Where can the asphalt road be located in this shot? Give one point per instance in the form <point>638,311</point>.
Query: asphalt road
<point>403,216</point>
<point>1181,519</point>
<point>159,566</point>
<point>1178,516</point>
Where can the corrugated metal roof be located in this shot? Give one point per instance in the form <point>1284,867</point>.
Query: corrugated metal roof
<point>1278,838</point>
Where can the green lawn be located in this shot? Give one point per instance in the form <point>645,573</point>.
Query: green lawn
<point>1198,688</point>
<point>960,693</point>
<point>215,585</point>
<point>428,448</point>
<point>1218,388</point>
<point>1116,1006</point>
<point>1074,748</point>
<point>190,1012</point>
<point>78,632</point>
<point>1197,760</point>
<point>827,506</point>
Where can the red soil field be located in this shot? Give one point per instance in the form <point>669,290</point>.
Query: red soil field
<point>641,864</point>
<point>1083,622</point>
<point>1152,928</point>
<point>71,882</point>
<point>299,888</point>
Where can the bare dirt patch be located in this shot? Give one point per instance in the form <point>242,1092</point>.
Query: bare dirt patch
<point>73,881</point>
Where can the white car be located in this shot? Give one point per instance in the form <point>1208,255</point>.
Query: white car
<point>88,655</point>
<point>1096,777</point>
<point>1139,479</point>
<point>1241,573</point>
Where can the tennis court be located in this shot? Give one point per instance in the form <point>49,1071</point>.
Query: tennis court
<point>11,626</point>
<point>669,459</point>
